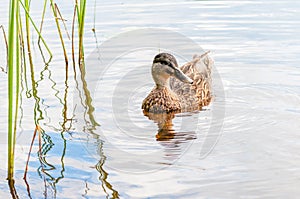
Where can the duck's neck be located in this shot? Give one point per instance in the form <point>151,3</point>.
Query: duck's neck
<point>162,83</point>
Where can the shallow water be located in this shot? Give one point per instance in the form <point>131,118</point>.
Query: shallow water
<point>255,46</point>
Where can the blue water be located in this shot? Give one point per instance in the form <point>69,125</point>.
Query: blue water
<point>255,45</point>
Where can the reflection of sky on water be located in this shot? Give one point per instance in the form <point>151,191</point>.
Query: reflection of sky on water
<point>255,45</point>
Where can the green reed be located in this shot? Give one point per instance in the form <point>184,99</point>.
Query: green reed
<point>13,62</point>
<point>6,44</point>
<point>56,12</point>
<point>80,9</point>
<point>27,16</point>
<point>27,7</point>
<point>14,52</point>
<point>17,58</point>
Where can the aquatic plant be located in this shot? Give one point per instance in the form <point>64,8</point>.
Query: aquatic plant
<point>28,18</point>
<point>5,40</point>
<point>19,53</point>
<point>56,12</point>
<point>13,63</point>
<point>27,7</point>
<point>80,9</point>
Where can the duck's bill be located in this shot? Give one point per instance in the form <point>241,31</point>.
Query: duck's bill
<point>182,77</point>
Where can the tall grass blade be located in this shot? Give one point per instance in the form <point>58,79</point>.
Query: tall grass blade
<point>80,16</point>
<point>37,31</point>
<point>23,58</point>
<point>13,81</point>
<point>73,45</point>
<point>5,40</point>
<point>27,6</point>
<point>54,10</point>
<point>42,21</point>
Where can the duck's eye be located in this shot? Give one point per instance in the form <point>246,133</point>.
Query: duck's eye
<point>164,62</point>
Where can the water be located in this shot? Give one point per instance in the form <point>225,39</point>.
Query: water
<point>255,46</point>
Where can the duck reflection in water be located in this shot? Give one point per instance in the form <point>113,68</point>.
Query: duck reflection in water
<point>165,125</point>
<point>166,130</point>
<point>177,90</point>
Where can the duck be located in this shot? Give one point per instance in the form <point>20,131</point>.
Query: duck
<point>179,89</point>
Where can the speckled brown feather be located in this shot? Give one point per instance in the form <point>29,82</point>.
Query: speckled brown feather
<point>195,96</point>
<point>161,100</point>
<point>184,97</point>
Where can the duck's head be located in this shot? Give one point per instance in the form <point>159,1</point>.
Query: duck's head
<point>165,66</point>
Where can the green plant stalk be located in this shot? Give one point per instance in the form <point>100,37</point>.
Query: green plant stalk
<point>37,30</point>
<point>5,40</point>
<point>27,6</point>
<point>23,58</point>
<point>59,30</point>
<point>72,41</point>
<point>13,63</point>
<point>94,26</point>
<point>81,15</point>
<point>43,16</point>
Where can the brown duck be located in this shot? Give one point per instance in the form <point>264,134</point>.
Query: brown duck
<point>183,89</point>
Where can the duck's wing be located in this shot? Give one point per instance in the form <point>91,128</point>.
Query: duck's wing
<point>197,95</point>
<point>200,65</point>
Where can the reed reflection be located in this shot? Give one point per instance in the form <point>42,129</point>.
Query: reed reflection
<point>107,187</point>
<point>48,171</point>
<point>90,125</point>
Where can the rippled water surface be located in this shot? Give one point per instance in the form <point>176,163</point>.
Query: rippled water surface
<point>96,142</point>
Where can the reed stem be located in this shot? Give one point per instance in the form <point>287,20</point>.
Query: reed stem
<point>13,63</point>
<point>37,30</point>
<point>54,9</point>
<point>6,44</point>
<point>80,16</point>
<point>42,21</point>
<point>27,6</point>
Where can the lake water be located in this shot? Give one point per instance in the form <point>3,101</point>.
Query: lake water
<point>96,142</point>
